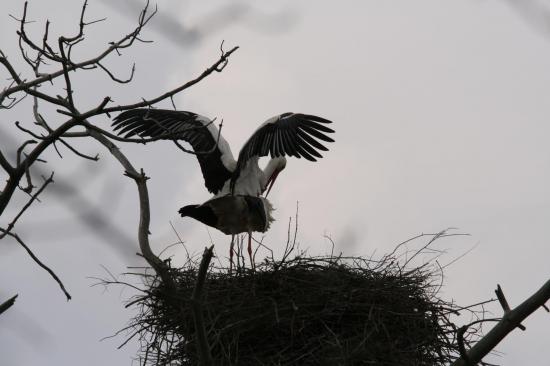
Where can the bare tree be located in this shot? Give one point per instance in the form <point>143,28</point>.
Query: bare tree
<point>53,63</point>
<point>511,320</point>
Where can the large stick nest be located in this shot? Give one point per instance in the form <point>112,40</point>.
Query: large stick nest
<point>303,311</point>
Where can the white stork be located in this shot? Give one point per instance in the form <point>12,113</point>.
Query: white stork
<point>292,134</point>
<point>233,214</point>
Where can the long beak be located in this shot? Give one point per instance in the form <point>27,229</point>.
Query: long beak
<point>270,182</point>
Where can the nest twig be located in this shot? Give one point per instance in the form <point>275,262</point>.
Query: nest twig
<point>304,310</point>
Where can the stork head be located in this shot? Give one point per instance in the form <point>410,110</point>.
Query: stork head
<point>272,170</point>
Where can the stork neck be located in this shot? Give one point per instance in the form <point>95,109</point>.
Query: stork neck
<point>275,164</point>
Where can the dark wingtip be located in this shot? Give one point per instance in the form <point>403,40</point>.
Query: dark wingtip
<point>319,127</point>
<point>317,118</point>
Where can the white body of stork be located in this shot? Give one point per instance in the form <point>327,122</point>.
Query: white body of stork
<point>253,181</point>
<point>288,134</point>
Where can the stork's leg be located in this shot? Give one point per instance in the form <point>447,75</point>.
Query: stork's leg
<point>252,264</point>
<point>231,251</point>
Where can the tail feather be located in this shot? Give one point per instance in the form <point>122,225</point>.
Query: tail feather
<point>259,213</point>
<point>268,209</point>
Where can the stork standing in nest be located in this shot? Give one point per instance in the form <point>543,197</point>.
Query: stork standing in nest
<point>236,184</point>
<point>234,215</point>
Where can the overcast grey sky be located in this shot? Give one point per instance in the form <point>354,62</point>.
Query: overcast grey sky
<point>441,116</point>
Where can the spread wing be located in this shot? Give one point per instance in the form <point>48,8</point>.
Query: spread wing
<point>292,134</point>
<point>212,151</point>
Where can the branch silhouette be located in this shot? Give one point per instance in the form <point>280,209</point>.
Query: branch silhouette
<point>511,320</point>
<point>70,122</point>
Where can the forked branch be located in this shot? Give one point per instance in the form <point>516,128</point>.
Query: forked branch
<point>145,214</point>
<point>512,319</point>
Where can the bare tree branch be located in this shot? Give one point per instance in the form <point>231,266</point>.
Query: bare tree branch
<point>21,169</point>
<point>114,78</point>
<point>145,215</point>
<point>5,164</point>
<point>512,319</point>
<point>27,205</point>
<point>48,133</point>
<point>196,301</point>
<point>218,66</point>
<point>35,258</point>
<point>22,85</point>
<point>7,304</point>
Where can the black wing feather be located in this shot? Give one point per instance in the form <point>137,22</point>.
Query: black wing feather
<point>308,148</point>
<point>315,118</point>
<point>312,141</point>
<point>292,134</point>
<point>277,144</point>
<point>312,131</point>
<point>284,143</point>
<point>178,125</point>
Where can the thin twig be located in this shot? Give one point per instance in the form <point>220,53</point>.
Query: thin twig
<point>78,153</point>
<point>22,168</point>
<point>216,67</point>
<point>511,320</point>
<point>21,85</point>
<point>35,258</point>
<point>27,205</point>
<point>114,78</point>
